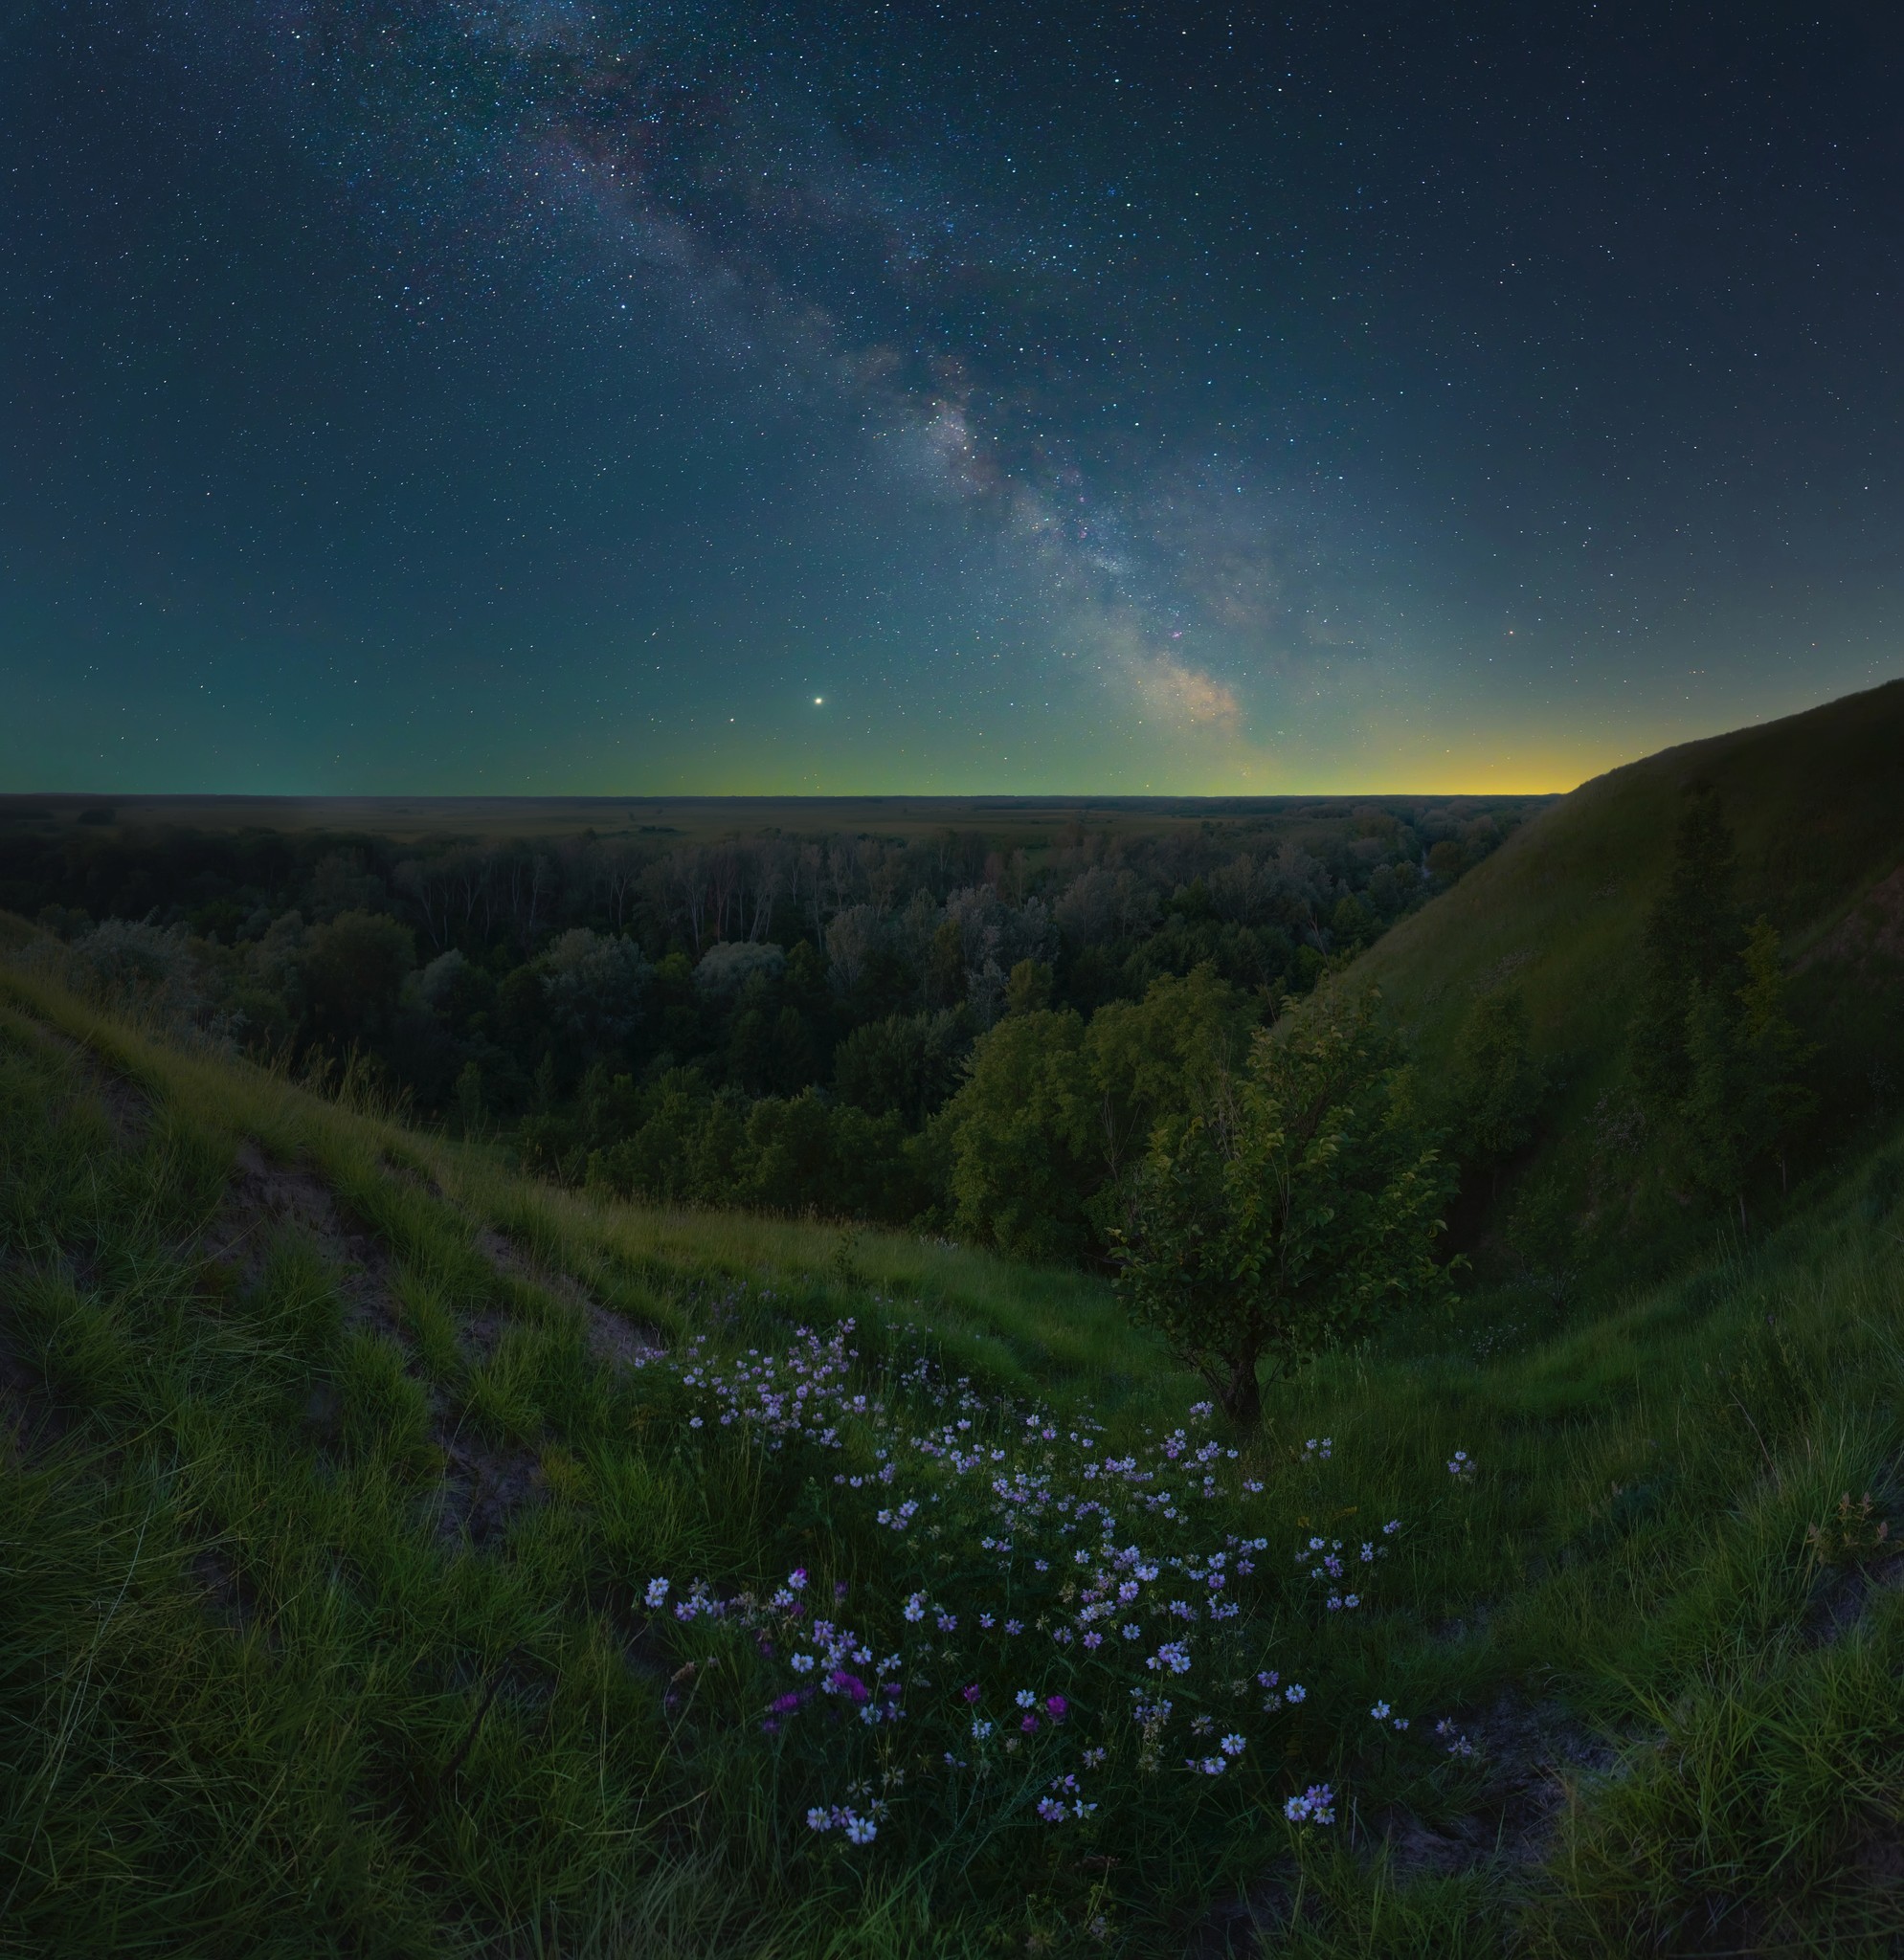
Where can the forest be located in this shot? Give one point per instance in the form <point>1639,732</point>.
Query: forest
<point>951,1031</point>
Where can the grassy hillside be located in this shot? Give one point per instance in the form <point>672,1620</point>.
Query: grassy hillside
<point>1816,803</point>
<point>344,1471</point>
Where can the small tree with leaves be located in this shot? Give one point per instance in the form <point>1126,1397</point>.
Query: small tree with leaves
<point>1286,1219</point>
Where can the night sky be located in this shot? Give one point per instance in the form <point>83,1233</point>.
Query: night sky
<point>403,397</point>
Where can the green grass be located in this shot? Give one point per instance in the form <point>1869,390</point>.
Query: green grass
<point>322,1560</point>
<point>1816,804</point>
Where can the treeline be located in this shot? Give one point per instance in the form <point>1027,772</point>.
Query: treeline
<point>944,1031</point>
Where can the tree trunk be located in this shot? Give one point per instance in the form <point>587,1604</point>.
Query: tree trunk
<point>1242,1398</point>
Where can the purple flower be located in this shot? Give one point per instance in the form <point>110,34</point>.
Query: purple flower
<point>971,1693</point>
<point>1029,1724</point>
<point>1056,1706</point>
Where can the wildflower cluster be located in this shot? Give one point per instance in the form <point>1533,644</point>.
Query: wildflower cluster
<point>1451,1739</point>
<point>858,1829</point>
<point>1050,1614</point>
<point>1328,1561</point>
<point>1317,1805</point>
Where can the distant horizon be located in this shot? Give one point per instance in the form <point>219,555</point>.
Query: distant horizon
<point>100,799</point>
<point>1049,798</point>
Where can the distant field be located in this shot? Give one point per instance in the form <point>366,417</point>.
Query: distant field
<point>1015,822</point>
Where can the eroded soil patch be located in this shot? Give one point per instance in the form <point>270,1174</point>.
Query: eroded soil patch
<point>613,1339</point>
<point>483,1486</point>
<point>263,1196</point>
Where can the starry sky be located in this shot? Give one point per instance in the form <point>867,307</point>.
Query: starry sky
<point>401,396</point>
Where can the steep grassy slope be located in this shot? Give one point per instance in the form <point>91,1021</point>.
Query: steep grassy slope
<point>342,1471</point>
<point>1816,803</point>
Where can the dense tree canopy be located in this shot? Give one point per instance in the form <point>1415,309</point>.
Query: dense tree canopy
<point>953,1031</point>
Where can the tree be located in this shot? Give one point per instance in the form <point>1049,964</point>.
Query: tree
<point>1744,1093</point>
<point>1496,1086</point>
<point>1022,1150</point>
<point>1446,861</point>
<point>1352,925</point>
<point>1714,1047</point>
<point>1692,942</point>
<point>354,971</point>
<point>593,983</point>
<point>1781,1054</point>
<point>1028,988</point>
<point>1288,1218</point>
<point>1052,1113</point>
<point>907,1064</point>
<point>1166,1055</point>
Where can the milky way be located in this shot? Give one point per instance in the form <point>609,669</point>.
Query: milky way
<point>553,396</point>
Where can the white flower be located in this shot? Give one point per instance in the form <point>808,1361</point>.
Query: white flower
<point>657,1593</point>
<point>801,1664</point>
